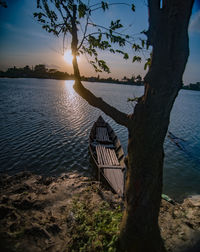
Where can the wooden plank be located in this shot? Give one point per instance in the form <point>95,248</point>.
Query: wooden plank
<point>119,175</point>
<point>113,167</point>
<point>114,157</point>
<point>103,154</point>
<point>116,179</point>
<point>102,134</point>
<point>106,156</point>
<point>99,157</point>
<point>109,156</point>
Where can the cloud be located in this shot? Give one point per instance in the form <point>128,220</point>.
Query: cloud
<point>195,23</point>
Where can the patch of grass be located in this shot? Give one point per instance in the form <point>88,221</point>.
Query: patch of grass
<point>94,229</point>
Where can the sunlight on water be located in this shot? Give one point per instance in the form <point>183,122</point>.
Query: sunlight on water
<point>77,109</point>
<point>69,88</point>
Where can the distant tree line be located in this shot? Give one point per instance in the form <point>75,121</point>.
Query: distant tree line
<point>193,86</point>
<point>137,81</point>
<point>42,72</point>
<point>39,71</point>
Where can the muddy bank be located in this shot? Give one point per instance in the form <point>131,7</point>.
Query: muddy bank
<point>36,213</point>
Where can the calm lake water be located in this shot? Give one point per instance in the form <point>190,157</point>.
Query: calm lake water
<point>45,127</point>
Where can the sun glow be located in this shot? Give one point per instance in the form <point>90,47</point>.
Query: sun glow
<point>68,57</point>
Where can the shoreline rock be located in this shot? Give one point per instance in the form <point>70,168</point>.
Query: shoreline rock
<point>35,213</point>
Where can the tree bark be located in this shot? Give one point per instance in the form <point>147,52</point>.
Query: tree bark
<point>168,36</point>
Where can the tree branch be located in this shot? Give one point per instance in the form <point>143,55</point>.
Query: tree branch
<point>118,116</point>
<point>114,32</point>
<point>110,5</point>
<point>66,9</point>
<point>59,9</point>
<point>84,34</point>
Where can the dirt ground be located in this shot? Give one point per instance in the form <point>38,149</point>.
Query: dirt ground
<point>35,213</point>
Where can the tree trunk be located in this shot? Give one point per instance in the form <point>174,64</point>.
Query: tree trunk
<point>168,36</point>
<point>139,229</point>
<point>148,125</point>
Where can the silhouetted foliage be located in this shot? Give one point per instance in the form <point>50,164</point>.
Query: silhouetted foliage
<point>39,71</point>
<point>193,86</point>
<point>3,4</point>
<point>63,18</point>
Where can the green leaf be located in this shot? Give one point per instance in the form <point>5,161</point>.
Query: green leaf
<point>136,47</point>
<point>133,7</point>
<point>126,56</point>
<point>145,66</point>
<point>115,25</point>
<point>102,64</point>
<point>38,4</point>
<point>142,42</point>
<point>82,8</point>
<point>112,51</point>
<point>104,5</point>
<point>119,51</point>
<point>136,58</point>
<point>148,63</point>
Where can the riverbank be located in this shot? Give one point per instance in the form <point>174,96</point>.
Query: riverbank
<point>72,212</point>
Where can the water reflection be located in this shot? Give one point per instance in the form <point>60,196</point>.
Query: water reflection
<point>77,110</point>
<point>69,88</point>
<point>45,126</point>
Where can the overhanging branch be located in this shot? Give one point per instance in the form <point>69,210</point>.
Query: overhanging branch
<point>100,7</point>
<point>85,31</point>
<point>118,116</point>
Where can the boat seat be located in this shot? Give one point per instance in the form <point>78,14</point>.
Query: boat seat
<point>102,134</point>
<point>106,156</point>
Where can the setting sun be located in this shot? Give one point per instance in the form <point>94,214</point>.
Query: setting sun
<point>68,57</point>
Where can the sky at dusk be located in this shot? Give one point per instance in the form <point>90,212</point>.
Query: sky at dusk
<point>24,42</point>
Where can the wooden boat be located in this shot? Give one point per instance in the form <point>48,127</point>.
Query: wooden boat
<point>107,155</point>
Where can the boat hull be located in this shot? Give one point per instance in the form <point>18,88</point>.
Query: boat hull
<point>107,156</point>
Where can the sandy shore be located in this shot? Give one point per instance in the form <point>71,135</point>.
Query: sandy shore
<point>36,213</point>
